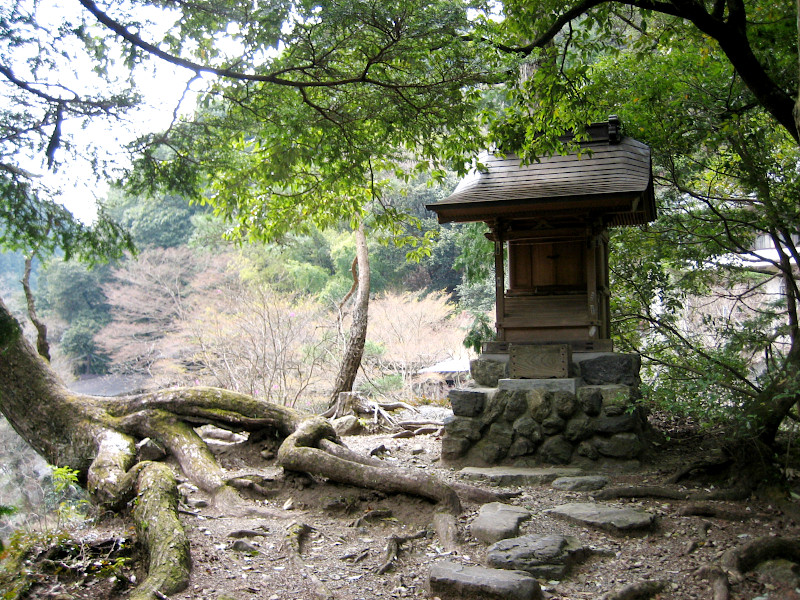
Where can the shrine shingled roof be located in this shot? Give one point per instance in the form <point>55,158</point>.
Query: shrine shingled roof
<point>610,177</point>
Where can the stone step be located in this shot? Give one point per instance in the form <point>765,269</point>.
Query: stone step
<point>582,483</point>
<point>608,518</point>
<point>509,476</point>
<point>497,521</point>
<point>543,556</point>
<point>453,581</point>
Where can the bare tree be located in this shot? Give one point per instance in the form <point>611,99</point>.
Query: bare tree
<point>150,297</point>
<point>257,341</point>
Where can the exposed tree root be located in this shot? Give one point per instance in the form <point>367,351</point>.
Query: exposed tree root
<point>723,495</point>
<point>98,436</point>
<point>738,561</point>
<point>299,453</point>
<point>372,515</point>
<point>645,491</point>
<point>157,524</point>
<point>636,591</point>
<point>470,493</point>
<point>656,491</point>
<point>715,464</point>
<point>705,509</point>
<point>393,548</point>
<point>293,541</point>
<point>720,586</point>
<point>354,403</point>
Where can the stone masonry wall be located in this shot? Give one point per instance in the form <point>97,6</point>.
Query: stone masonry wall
<point>599,420</point>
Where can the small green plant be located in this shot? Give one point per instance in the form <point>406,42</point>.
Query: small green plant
<point>479,332</point>
<point>383,385</point>
<point>5,511</point>
<point>71,506</point>
<point>64,479</point>
<point>112,567</point>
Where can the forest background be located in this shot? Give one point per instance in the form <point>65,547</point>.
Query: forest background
<point>263,319</point>
<point>315,122</point>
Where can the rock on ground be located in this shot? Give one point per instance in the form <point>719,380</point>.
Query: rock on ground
<point>452,581</point>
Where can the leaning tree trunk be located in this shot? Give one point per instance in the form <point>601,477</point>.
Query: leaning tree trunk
<point>97,437</point>
<point>354,350</point>
<point>42,344</point>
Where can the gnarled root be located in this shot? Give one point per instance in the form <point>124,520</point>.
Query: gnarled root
<point>295,535</point>
<point>110,479</point>
<point>720,586</point>
<point>157,524</point>
<point>738,561</point>
<point>393,549</point>
<point>169,417</point>
<point>299,453</point>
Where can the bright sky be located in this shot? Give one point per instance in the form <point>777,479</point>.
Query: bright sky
<point>162,94</point>
<point>160,84</point>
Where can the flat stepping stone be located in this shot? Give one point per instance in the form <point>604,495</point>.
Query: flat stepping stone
<point>584,483</point>
<point>497,521</point>
<point>508,476</point>
<point>543,556</point>
<point>605,517</point>
<point>453,581</point>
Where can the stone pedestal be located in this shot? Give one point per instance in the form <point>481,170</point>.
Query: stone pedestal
<point>589,417</point>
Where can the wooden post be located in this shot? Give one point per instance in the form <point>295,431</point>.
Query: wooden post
<point>591,287</point>
<point>499,281</point>
<point>605,299</point>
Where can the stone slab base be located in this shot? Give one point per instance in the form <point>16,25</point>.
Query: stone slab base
<point>567,384</point>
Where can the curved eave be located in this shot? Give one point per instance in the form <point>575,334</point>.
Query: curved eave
<point>609,180</point>
<point>619,209</point>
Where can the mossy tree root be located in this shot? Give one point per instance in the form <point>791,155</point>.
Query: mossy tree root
<point>156,519</point>
<point>193,455</point>
<point>110,479</point>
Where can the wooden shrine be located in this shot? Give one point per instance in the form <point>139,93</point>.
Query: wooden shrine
<point>553,218</point>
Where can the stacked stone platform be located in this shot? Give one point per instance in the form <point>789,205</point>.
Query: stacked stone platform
<point>590,417</point>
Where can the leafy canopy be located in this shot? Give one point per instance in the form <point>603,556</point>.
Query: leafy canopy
<point>349,93</point>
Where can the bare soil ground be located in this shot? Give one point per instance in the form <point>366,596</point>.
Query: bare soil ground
<point>343,550</point>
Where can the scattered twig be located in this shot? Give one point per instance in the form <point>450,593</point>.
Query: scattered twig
<point>372,515</point>
<point>356,557</point>
<point>393,548</point>
<point>640,590</point>
<point>415,425</point>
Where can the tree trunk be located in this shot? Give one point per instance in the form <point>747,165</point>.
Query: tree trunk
<point>97,437</point>
<point>42,345</point>
<point>751,443</point>
<point>354,350</point>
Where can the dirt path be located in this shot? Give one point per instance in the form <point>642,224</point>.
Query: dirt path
<point>345,531</point>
